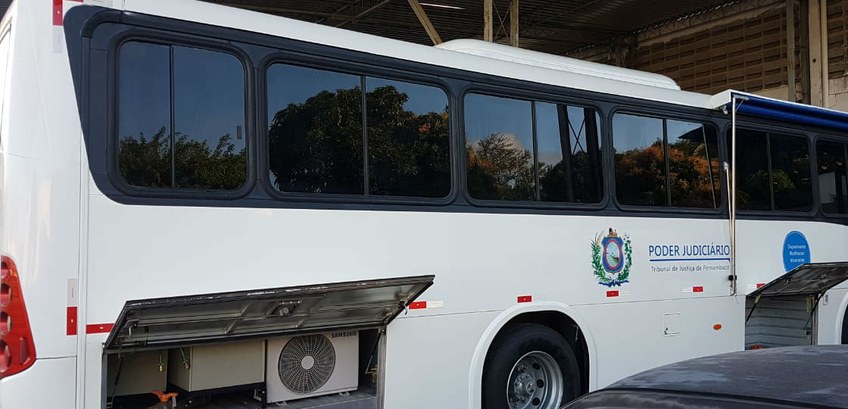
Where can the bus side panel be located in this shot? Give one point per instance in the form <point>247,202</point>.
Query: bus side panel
<point>831,316</point>
<point>429,360</point>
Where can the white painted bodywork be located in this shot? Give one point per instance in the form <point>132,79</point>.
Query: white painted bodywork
<point>65,235</point>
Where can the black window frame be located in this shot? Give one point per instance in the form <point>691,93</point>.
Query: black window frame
<point>532,96</point>
<point>349,67</point>
<point>770,128</point>
<point>820,137</point>
<point>113,111</point>
<point>91,30</point>
<point>721,206</point>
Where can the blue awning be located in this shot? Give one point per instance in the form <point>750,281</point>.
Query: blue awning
<point>783,111</point>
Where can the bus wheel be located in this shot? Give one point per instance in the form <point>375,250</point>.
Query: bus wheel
<point>530,366</point>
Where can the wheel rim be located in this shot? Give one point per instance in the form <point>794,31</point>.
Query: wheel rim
<point>535,382</point>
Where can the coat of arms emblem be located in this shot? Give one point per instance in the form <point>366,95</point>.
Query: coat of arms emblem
<point>611,258</point>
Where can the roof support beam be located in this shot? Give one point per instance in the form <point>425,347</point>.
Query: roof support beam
<point>425,21</point>
<point>488,27</point>
<point>360,15</point>
<point>818,97</point>
<point>790,48</point>
<point>513,23</point>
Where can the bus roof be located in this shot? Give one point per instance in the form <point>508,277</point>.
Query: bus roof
<point>782,111</point>
<point>559,63</point>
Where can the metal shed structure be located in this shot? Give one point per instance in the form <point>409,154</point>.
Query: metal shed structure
<point>788,49</point>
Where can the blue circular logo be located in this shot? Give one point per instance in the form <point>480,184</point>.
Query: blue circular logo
<point>796,250</point>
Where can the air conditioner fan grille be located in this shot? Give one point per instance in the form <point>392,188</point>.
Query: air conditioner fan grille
<point>306,363</point>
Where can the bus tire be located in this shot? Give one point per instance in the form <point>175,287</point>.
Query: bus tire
<point>531,365</point>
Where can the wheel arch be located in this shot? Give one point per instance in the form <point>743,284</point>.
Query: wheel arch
<point>560,317</point>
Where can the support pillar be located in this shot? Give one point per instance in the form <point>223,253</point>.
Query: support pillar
<point>488,27</point>
<point>513,23</point>
<point>816,32</point>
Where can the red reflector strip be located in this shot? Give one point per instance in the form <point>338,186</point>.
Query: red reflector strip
<point>761,285</point>
<point>57,12</point>
<point>525,298</point>
<point>698,289</point>
<point>71,321</point>
<point>418,305</point>
<point>98,328</point>
<point>612,293</point>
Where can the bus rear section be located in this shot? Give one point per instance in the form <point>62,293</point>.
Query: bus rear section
<point>39,213</point>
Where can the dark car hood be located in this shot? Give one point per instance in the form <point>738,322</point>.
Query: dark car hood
<point>815,375</point>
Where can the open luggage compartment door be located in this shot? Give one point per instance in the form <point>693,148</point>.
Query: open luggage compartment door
<point>806,279</point>
<point>175,321</point>
<point>783,312</point>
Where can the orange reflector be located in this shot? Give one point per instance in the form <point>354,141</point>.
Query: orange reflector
<point>525,298</point>
<point>717,327</point>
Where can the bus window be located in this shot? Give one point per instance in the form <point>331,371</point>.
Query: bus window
<point>499,148</point>
<point>181,117</point>
<point>773,172</point>
<point>790,173</point>
<point>569,153</point>
<point>639,160</point>
<point>315,131</point>
<point>408,139</point>
<point>752,174</point>
<point>833,186</point>
<point>316,134</point>
<point>693,164</point>
<point>664,162</point>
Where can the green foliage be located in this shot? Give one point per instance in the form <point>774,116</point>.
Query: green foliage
<point>597,264</point>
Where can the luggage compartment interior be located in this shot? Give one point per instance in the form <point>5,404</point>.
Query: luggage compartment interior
<point>780,321</point>
<point>333,370</point>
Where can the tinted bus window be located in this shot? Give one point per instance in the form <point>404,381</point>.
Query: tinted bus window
<point>664,162</point>
<point>833,182</point>
<point>499,148</point>
<point>144,115</point>
<point>318,136</point>
<point>521,150</point>
<point>692,164</point>
<point>315,134</point>
<point>569,153</point>
<point>209,144</point>
<point>181,117</point>
<point>752,170</point>
<point>640,174</point>
<point>790,173</point>
<point>773,171</point>
<point>408,139</point>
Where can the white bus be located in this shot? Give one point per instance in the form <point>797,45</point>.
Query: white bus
<point>201,200</point>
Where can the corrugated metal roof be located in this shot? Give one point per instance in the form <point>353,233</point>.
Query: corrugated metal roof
<point>554,26</point>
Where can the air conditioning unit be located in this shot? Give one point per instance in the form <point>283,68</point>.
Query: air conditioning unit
<point>312,365</point>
